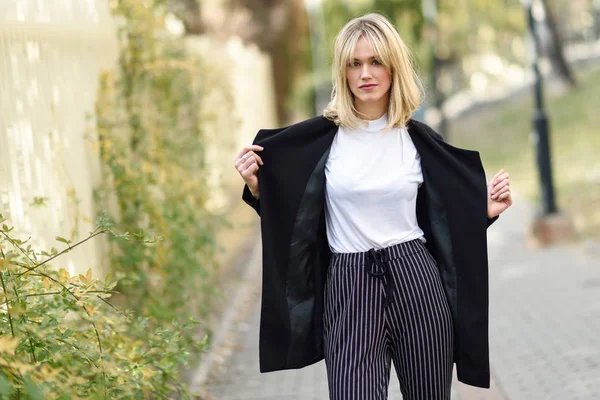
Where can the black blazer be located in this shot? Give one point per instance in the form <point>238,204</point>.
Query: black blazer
<point>451,210</point>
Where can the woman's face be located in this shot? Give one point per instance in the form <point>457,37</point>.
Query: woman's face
<point>368,78</point>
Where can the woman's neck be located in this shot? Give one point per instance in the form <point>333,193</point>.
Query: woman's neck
<point>371,111</point>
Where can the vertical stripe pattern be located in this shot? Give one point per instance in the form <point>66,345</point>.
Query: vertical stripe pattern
<point>364,333</point>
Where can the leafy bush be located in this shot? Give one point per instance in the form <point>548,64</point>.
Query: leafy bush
<point>60,337</point>
<point>152,149</point>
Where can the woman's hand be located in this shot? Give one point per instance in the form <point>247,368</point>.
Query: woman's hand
<point>247,164</point>
<point>499,196</point>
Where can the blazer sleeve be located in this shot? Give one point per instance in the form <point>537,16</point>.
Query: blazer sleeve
<point>490,221</point>
<point>251,200</point>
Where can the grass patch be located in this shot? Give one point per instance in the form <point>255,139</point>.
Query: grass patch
<point>503,137</point>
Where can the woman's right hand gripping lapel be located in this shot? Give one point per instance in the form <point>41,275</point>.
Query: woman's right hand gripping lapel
<point>247,163</point>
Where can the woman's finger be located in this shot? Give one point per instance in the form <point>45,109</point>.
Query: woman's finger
<point>500,191</point>
<point>250,170</point>
<point>504,196</point>
<point>497,174</point>
<point>256,157</point>
<point>502,184</point>
<point>240,162</point>
<point>248,156</point>
<point>245,164</point>
<point>502,177</point>
<point>249,161</point>
<point>246,149</point>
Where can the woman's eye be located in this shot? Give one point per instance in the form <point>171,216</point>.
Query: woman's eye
<point>355,64</point>
<point>376,62</point>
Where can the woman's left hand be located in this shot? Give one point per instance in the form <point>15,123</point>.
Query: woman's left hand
<point>499,196</point>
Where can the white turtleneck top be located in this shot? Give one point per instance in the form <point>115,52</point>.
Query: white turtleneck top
<point>372,177</point>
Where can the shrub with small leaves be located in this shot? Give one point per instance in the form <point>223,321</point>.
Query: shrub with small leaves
<point>61,338</point>
<point>152,147</point>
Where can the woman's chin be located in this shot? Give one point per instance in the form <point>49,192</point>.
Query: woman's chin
<point>370,99</point>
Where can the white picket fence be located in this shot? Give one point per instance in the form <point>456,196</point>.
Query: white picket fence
<point>51,54</point>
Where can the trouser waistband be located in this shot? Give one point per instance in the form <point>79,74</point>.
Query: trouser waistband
<point>393,252</point>
<point>377,262</point>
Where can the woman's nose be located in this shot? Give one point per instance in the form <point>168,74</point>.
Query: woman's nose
<point>365,72</point>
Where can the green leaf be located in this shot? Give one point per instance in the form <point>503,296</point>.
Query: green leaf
<point>5,386</point>
<point>34,391</point>
<point>66,334</point>
<point>111,285</point>
<point>201,344</point>
<point>62,239</point>
<point>103,221</point>
<point>39,201</point>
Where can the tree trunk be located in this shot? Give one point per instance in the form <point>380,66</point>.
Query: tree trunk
<point>553,49</point>
<point>277,27</point>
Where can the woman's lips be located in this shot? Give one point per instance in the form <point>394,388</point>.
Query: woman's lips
<point>367,87</point>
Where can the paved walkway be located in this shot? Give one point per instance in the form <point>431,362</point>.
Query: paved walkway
<point>544,329</point>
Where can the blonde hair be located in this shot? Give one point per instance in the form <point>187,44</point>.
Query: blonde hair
<point>406,91</point>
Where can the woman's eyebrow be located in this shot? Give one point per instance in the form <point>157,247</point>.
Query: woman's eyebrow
<point>370,58</point>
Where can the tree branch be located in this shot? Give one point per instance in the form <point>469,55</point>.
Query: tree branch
<point>69,248</point>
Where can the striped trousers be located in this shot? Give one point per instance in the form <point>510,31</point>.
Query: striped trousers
<point>383,306</point>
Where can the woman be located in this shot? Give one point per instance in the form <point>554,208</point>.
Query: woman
<point>374,233</point>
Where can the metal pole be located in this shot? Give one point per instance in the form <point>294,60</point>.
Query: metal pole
<point>540,125</point>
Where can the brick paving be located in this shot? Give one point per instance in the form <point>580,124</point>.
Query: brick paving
<point>544,329</point>
<point>545,316</point>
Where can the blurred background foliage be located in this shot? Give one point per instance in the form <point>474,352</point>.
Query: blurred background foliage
<point>470,42</point>
<point>151,144</point>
